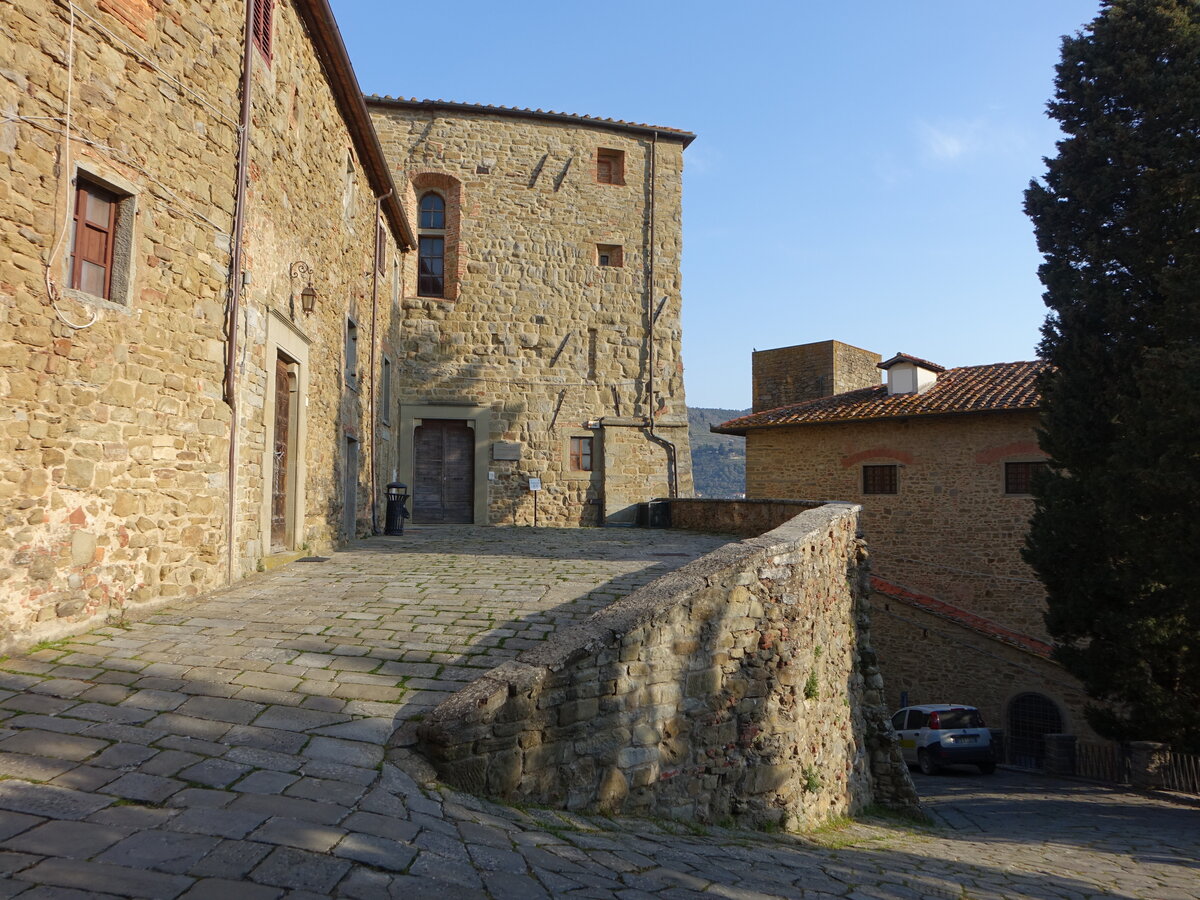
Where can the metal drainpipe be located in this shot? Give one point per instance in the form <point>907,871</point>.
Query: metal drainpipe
<point>672,475</point>
<point>374,386</point>
<point>235,284</point>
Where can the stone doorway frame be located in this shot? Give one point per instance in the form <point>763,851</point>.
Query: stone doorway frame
<point>478,418</point>
<point>285,339</point>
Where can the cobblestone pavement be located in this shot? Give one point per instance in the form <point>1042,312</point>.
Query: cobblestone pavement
<point>235,747</point>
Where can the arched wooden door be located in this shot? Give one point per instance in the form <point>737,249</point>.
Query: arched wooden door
<point>443,473</point>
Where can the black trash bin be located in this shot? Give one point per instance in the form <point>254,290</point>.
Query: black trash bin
<point>397,509</point>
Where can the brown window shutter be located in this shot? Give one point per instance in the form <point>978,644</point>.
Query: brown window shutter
<point>91,251</point>
<point>262,25</point>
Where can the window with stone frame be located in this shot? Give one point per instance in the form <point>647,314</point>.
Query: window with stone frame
<point>880,479</point>
<point>262,32</point>
<point>581,454</point>
<point>1019,476</point>
<point>101,223</point>
<point>610,166</point>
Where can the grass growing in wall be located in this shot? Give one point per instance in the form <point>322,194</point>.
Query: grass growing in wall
<point>812,689</point>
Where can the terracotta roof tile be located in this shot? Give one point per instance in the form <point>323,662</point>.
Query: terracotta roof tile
<point>524,112</point>
<point>968,389</point>
<point>962,617</point>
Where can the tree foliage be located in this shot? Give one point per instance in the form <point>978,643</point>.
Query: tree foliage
<point>1115,536</point>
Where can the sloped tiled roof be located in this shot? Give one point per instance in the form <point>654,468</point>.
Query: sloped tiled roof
<point>966,619</point>
<point>968,389</point>
<point>521,112</point>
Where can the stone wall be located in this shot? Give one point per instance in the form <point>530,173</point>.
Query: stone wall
<point>741,687</point>
<point>742,517</point>
<point>114,431</point>
<point>533,330</point>
<point>788,375</point>
<point>950,531</point>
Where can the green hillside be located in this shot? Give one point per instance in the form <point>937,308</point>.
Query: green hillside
<point>718,460</point>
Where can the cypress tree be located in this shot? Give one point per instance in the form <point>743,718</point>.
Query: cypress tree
<point>1115,536</point>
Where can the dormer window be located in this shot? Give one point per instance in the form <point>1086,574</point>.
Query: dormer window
<point>910,374</point>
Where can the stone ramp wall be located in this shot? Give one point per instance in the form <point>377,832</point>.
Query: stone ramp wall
<point>739,688</point>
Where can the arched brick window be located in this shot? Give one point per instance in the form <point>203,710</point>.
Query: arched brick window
<point>436,200</point>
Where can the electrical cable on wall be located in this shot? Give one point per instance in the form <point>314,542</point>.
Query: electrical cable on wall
<point>64,175</point>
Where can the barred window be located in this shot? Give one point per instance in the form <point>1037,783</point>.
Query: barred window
<point>880,479</point>
<point>1019,476</point>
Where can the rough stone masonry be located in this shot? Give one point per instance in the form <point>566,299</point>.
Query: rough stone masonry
<point>740,688</point>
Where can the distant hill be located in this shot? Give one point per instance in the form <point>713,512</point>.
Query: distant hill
<point>718,460</point>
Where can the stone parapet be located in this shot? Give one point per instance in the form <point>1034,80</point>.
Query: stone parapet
<point>741,687</point>
<point>742,517</point>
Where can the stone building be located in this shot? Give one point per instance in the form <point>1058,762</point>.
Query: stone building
<point>941,461</point>
<point>197,327</point>
<point>540,318</point>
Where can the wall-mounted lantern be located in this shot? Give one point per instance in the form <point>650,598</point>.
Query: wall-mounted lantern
<point>308,294</point>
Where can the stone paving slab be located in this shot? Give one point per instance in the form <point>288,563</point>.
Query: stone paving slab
<point>234,747</point>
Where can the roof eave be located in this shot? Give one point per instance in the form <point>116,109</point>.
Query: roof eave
<point>663,134</point>
<point>858,420</point>
<point>331,50</point>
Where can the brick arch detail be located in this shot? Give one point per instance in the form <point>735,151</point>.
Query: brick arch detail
<point>901,456</point>
<point>451,190</point>
<point>1016,448</point>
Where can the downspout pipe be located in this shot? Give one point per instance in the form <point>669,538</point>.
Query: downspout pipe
<point>651,318</point>
<point>379,244</point>
<point>235,286</point>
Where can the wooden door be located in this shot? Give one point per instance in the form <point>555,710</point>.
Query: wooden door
<point>443,473</point>
<point>282,456</point>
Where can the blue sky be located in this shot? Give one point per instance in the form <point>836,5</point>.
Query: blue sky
<point>859,169</point>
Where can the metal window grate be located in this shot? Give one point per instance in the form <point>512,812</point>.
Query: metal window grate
<point>1018,476</point>
<point>880,479</point>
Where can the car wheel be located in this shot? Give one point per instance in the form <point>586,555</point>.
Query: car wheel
<point>987,768</point>
<point>928,766</point>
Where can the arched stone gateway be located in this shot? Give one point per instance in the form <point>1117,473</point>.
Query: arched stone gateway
<point>1031,717</point>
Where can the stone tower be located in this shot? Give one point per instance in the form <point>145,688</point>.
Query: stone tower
<point>540,315</point>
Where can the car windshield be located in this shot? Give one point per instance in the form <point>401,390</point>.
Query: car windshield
<point>960,718</point>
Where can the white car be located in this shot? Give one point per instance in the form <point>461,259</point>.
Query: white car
<point>943,734</point>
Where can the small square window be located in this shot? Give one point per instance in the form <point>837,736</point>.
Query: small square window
<point>610,255</point>
<point>1019,476</point>
<point>581,454</point>
<point>610,166</point>
<point>879,479</point>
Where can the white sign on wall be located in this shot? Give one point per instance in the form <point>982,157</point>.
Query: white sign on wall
<point>535,484</point>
